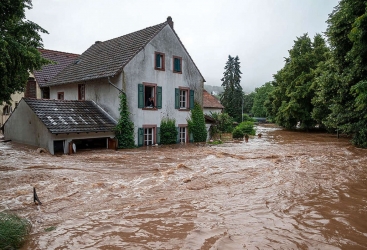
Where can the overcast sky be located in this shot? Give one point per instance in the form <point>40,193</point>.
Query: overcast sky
<point>260,32</point>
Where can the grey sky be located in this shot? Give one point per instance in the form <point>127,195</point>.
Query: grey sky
<point>260,32</point>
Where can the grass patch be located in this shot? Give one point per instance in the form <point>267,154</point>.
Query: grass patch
<point>13,230</point>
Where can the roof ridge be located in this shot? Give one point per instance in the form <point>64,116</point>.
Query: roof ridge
<point>134,32</point>
<point>51,50</point>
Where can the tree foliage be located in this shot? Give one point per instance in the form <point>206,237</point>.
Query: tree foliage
<point>196,124</point>
<point>223,122</point>
<point>168,131</point>
<point>232,96</point>
<point>13,230</point>
<point>290,101</point>
<point>260,97</point>
<point>124,130</point>
<point>248,102</point>
<point>19,40</point>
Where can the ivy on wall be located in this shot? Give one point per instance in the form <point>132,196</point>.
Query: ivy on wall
<point>124,130</point>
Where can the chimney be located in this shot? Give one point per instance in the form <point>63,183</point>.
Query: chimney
<point>169,21</point>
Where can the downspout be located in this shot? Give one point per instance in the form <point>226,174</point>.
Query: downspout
<point>120,90</point>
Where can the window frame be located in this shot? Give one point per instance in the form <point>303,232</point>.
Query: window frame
<point>154,86</point>
<point>173,62</point>
<point>154,134</point>
<point>81,92</point>
<point>187,101</point>
<point>183,126</point>
<point>58,95</point>
<point>163,60</point>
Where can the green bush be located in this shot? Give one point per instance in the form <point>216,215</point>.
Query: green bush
<point>13,230</point>
<point>196,124</point>
<point>223,122</point>
<point>168,131</point>
<point>247,127</point>
<point>247,118</point>
<point>238,133</point>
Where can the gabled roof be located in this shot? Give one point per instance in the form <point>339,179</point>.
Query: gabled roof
<point>62,59</point>
<point>108,58</point>
<point>63,116</point>
<point>210,101</point>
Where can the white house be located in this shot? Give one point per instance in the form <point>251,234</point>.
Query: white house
<point>149,63</point>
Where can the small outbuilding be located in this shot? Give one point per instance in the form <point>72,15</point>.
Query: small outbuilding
<point>61,126</point>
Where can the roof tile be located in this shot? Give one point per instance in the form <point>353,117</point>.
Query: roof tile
<point>210,101</point>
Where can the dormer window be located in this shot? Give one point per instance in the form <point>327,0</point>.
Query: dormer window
<point>177,64</point>
<point>159,61</point>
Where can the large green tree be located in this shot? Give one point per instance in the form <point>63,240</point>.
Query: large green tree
<point>342,86</point>
<point>232,96</point>
<point>19,40</point>
<point>260,97</point>
<point>290,101</point>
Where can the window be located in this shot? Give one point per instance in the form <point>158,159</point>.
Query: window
<point>182,134</point>
<point>148,136</point>
<point>60,95</point>
<point>177,64</point>
<point>184,98</point>
<point>149,96</point>
<point>159,61</point>
<point>45,92</point>
<point>81,92</point>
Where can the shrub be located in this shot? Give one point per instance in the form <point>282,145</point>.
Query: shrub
<point>168,131</point>
<point>196,124</point>
<point>247,127</point>
<point>247,118</point>
<point>238,133</point>
<point>13,230</point>
<point>224,123</point>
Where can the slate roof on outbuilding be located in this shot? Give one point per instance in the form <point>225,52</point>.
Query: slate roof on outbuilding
<point>108,58</point>
<point>61,59</point>
<point>64,116</point>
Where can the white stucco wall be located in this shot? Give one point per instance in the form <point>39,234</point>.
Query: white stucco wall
<point>24,126</point>
<point>141,69</point>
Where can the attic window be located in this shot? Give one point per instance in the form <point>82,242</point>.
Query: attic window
<point>177,64</point>
<point>159,59</point>
<point>77,61</point>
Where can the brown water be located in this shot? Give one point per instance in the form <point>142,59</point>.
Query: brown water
<point>286,190</point>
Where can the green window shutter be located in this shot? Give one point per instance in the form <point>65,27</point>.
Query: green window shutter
<point>140,137</point>
<point>177,65</point>
<point>158,61</point>
<point>140,95</point>
<point>159,97</point>
<point>191,139</point>
<point>158,135</point>
<point>192,100</point>
<point>177,98</point>
<point>178,134</point>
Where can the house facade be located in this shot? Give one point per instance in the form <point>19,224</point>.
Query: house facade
<point>149,63</point>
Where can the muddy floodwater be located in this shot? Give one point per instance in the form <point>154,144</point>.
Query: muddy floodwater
<point>286,190</point>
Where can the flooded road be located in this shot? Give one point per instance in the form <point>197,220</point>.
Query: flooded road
<point>286,190</point>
